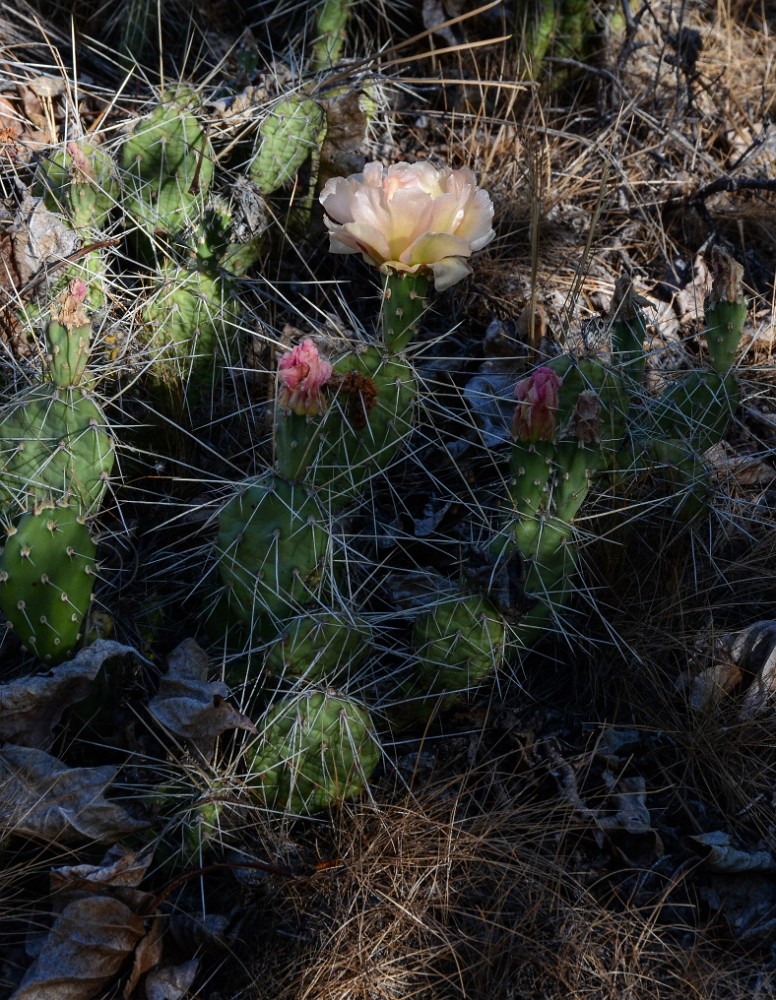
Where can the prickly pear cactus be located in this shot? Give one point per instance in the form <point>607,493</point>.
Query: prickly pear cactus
<point>368,414</point>
<point>319,646</point>
<point>81,182</point>
<point>47,572</point>
<point>272,545</point>
<point>292,131</point>
<point>317,749</point>
<point>168,167</point>
<point>459,643</point>
<point>54,446</point>
<point>192,329</point>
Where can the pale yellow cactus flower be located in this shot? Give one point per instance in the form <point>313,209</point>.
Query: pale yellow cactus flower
<point>410,217</point>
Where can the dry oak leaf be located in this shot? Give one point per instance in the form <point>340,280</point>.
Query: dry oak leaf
<point>30,707</point>
<point>86,947</point>
<point>42,798</point>
<point>191,706</point>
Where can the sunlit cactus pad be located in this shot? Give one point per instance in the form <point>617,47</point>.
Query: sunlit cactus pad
<point>168,164</point>
<point>54,446</point>
<point>47,572</point>
<point>317,749</point>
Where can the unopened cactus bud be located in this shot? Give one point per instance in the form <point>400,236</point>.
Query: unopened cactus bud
<point>535,416</point>
<point>302,373</point>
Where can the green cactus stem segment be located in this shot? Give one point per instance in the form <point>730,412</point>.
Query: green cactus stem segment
<point>272,540</point>
<point>47,573</point>
<point>629,332</point>
<point>317,750</point>
<point>54,446</point>
<point>725,310</point>
<point>168,164</point>
<point>319,646</point>
<point>459,643</point>
<point>331,31</point>
<point>404,301</point>
<point>293,131</point>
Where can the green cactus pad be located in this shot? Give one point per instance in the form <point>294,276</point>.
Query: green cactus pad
<point>291,132</point>
<point>53,447</point>
<point>316,751</point>
<point>459,643</point>
<point>79,181</point>
<point>318,646</point>
<point>697,409</point>
<point>68,353</point>
<point>191,330</point>
<point>725,310</point>
<point>168,164</point>
<point>47,572</point>
<point>272,541</point>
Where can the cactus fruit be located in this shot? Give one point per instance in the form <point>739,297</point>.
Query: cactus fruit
<point>292,131</point>
<point>168,165</point>
<point>47,572</point>
<point>459,643</point>
<point>404,301</point>
<point>316,750</point>
<point>319,646</point>
<point>272,540</point>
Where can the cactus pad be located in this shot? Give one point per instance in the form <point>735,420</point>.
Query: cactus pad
<point>169,167</point>
<point>47,572</point>
<point>292,131</point>
<point>53,446</point>
<point>272,541</point>
<point>316,751</point>
<point>318,646</point>
<point>459,643</point>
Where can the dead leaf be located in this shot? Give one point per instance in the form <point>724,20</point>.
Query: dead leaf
<point>41,797</point>
<point>148,954</point>
<point>121,868</point>
<point>741,657</point>
<point>90,941</point>
<point>171,981</point>
<point>31,707</point>
<point>436,12</point>
<point>190,706</point>
<point>40,238</point>
<point>721,856</point>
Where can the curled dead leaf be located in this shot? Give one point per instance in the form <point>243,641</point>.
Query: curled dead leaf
<point>30,707</point>
<point>191,706</point>
<point>42,798</point>
<point>86,947</point>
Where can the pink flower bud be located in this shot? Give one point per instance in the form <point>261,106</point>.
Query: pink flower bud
<point>537,405</point>
<point>301,374</point>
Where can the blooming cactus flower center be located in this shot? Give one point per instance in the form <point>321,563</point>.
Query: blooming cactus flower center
<point>410,218</point>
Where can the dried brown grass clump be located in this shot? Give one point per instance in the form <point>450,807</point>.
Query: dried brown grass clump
<point>462,890</point>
